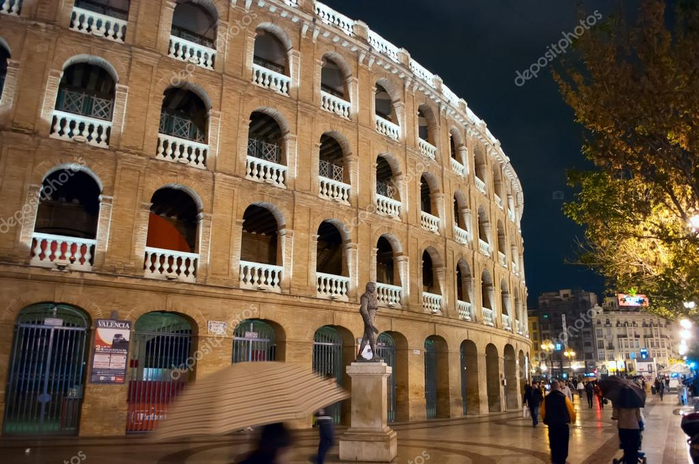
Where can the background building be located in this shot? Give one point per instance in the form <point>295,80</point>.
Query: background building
<point>226,177</point>
<point>625,335</point>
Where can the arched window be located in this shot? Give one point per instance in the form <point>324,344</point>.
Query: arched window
<point>502,245</point>
<point>427,129</point>
<point>487,298</point>
<point>387,195</point>
<point>103,18</point>
<point>171,244</point>
<point>193,33</point>
<point>334,178</point>
<point>455,151</point>
<point>334,89</point>
<point>505,305</point>
<point>266,160</point>
<point>480,166</point>
<point>386,116</point>
<point>431,289</point>
<point>65,231</point>
<point>498,186</point>
<point>4,59</point>
<point>84,105</point>
<point>254,341</point>
<point>270,66</point>
<point>331,263</point>
<point>483,232</point>
<point>260,250</point>
<point>429,218</point>
<point>461,226</point>
<point>464,290</point>
<point>388,280</point>
<point>183,128</point>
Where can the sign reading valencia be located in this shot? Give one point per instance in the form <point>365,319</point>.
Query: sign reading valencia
<point>111,351</point>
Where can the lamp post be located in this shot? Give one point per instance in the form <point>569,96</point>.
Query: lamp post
<point>570,354</point>
<point>548,347</point>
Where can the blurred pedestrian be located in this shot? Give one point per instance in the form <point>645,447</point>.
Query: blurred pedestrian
<point>661,389</point>
<point>600,396</point>
<point>532,399</point>
<point>589,391</point>
<point>581,389</point>
<point>557,412</point>
<point>273,446</point>
<point>630,424</point>
<point>326,430</point>
<point>565,389</point>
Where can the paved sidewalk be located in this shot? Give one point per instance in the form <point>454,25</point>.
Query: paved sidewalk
<point>498,439</point>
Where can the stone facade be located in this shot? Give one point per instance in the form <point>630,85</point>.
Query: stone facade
<point>43,42</point>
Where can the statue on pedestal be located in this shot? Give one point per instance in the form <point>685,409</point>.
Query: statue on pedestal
<point>369,306</point>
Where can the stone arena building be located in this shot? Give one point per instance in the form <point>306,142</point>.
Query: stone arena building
<point>227,176</point>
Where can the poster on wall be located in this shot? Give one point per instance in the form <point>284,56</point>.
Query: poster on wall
<point>111,351</point>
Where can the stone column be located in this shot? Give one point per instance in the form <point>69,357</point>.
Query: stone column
<point>54,80</point>
<point>373,262</point>
<point>313,265</point>
<point>315,169</point>
<point>9,91</point>
<point>119,116</point>
<point>402,119</point>
<point>403,264</point>
<point>438,205</point>
<point>483,383</point>
<point>294,73</point>
<point>369,438</point>
<point>349,251</point>
<point>290,151</point>
<point>104,225</point>
<point>165,30</point>
<point>353,89</point>
<point>237,247</point>
<point>204,245</point>
<point>351,164</point>
<point>456,406</point>
<point>463,157</point>
<point>26,229</point>
<point>221,45</point>
<point>65,13</point>
<point>441,273</point>
<point>214,132</point>
<point>141,234</point>
<point>286,239</point>
<point>503,388</point>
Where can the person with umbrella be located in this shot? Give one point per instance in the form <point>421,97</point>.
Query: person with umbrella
<point>628,399</point>
<point>557,412</point>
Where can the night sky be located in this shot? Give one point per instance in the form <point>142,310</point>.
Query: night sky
<point>476,47</point>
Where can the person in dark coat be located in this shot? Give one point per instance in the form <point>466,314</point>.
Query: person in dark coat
<point>326,431</point>
<point>272,447</point>
<point>557,412</point>
<point>532,399</point>
<point>589,391</point>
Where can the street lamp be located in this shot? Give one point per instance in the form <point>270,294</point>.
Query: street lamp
<point>570,354</point>
<point>548,347</point>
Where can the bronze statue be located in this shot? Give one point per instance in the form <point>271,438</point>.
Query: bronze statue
<point>369,306</point>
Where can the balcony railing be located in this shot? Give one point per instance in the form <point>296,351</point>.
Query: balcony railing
<point>484,247</point>
<point>11,7</point>
<point>388,206</point>
<point>498,201</point>
<point>502,259</point>
<point>458,168</point>
<point>383,46</point>
<point>170,265</point>
<point>258,276</point>
<point>460,235</point>
<point>269,79</point>
<point>432,303</point>
<point>506,322</point>
<point>57,251</point>
<point>480,185</point>
<point>464,309</point>
<point>334,190</point>
<point>191,52</point>
<point>332,286</point>
<point>177,150</point>
<point>488,316</point>
<point>265,171</point>
<point>387,128</point>
<point>427,149</point>
<point>389,295</point>
<point>332,17</point>
<point>77,128</point>
<point>333,104</point>
<point>98,24</point>
<point>181,127</point>
<point>429,222</point>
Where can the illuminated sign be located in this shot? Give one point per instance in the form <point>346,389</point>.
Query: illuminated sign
<point>632,300</point>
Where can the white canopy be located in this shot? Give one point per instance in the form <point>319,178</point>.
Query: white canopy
<point>678,368</point>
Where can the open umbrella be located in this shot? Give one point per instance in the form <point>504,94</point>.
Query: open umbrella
<point>248,395</point>
<point>623,393</point>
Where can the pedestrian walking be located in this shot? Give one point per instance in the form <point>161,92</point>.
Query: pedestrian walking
<point>600,396</point>
<point>273,446</point>
<point>326,431</point>
<point>557,412</point>
<point>581,389</point>
<point>630,425</point>
<point>590,393</point>
<point>565,389</point>
<point>661,390</point>
<point>533,398</point>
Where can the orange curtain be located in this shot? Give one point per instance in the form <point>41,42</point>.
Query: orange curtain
<point>163,234</point>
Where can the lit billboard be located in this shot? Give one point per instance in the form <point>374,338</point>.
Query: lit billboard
<point>631,300</point>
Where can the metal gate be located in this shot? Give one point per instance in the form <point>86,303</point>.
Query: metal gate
<point>327,360</point>
<point>387,350</point>
<point>253,341</point>
<point>464,400</point>
<point>47,371</point>
<point>160,366</point>
<point>431,378</point>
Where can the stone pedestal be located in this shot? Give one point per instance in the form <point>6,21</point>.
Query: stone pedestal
<point>369,438</point>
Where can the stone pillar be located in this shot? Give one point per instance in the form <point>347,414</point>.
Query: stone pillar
<point>10,90</point>
<point>402,119</point>
<point>141,234</point>
<point>26,231</point>
<point>456,406</point>
<point>214,133</point>
<point>237,247</point>
<point>54,80</point>
<point>165,30</point>
<point>502,380</point>
<point>286,239</point>
<point>315,169</point>
<point>349,252</point>
<point>353,89</point>
<point>403,264</point>
<point>351,164</point>
<point>119,116</point>
<point>483,382</point>
<point>439,209</point>
<point>294,73</point>
<point>290,148</point>
<point>313,265</point>
<point>441,274</point>
<point>369,438</point>
<point>221,45</point>
<point>65,13</point>
<point>204,245</point>
<point>104,225</point>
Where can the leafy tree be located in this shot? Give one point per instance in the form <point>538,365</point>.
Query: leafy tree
<point>633,83</point>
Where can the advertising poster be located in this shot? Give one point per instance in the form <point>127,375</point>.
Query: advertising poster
<point>111,351</point>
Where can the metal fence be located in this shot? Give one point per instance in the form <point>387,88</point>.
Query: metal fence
<point>431,378</point>
<point>327,360</point>
<point>386,349</point>
<point>253,341</point>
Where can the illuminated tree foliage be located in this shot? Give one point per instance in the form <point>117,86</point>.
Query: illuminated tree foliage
<point>633,83</point>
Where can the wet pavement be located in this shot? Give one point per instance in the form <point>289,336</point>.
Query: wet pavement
<point>496,439</point>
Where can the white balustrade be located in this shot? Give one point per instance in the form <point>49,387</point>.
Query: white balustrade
<point>450,95</point>
<point>389,295</point>
<point>77,128</point>
<point>292,3</point>
<point>334,190</point>
<point>183,151</point>
<point>57,251</point>
<point>387,128</point>
<point>427,149</point>
<point>506,322</point>
<point>170,265</point>
<point>484,247</point>
<point>460,235</point>
<point>511,215</point>
<point>429,222</point>
<point>333,104</point>
<point>457,167</point>
<point>383,46</point>
<point>258,276</point>
<point>503,259</point>
<point>464,309</point>
<point>498,201</point>
<point>480,185</point>
<point>388,206</point>
<point>11,7</point>
<point>185,50</point>
<point>97,24</point>
<point>270,79</point>
<point>332,17</point>
<point>422,73</point>
<point>432,303</point>
<point>332,286</point>
<point>488,316</point>
<point>265,171</point>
